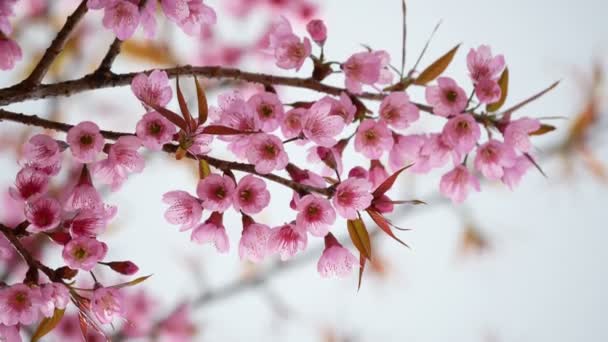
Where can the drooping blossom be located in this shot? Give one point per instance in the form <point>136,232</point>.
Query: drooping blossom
<point>315,215</point>
<point>493,157</point>
<point>122,160</point>
<point>84,253</point>
<point>377,173</point>
<point>29,183</point>
<point>446,98</point>
<point>269,110</point>
<point>250,195</point>
<point>330,157</point>
<point>19,304</point>
<point>85,141</point>
<point>107,304</point>
<point>254,240</point>
<point>461,133</point>
<point>317,30</point>
<point>153,89</point>
<point>368,68</point>
<point>43,213</point>
<point>212,231</point>
<point>517,133</point>
<point>88,222</point>
<point>512,175</point>
<point>122,17</point>
<point>292,123</point>
<point>373,138</point>
<point>455,184</point>
<point>342,107</point>
<point>352,195</point>
<point>266,153</point>
<point>336,261</point>
<point>10,53</point>
<point>397,110</point>
<point>42,152</point>
<point>482,65</point>
<point>184,209</point>
<point>287,240</point>
<point>487,91</point>
<point>215,192</point>
<point>154,130</point>
<point>321,127</point>
<point>54,296</point>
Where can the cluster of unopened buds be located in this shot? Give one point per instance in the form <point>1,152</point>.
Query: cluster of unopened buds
<point>255,129</point>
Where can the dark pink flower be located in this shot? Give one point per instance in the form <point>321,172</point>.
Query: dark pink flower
<point>321,127</point>
<point>84,253</point>
<point>287,240</point>
<point>446,98</point>
<point>250,195</point>
<point>266,153</point>
<point>397,110</point>
<point>254,240</point>
<point>30,183</point>
<point>315,214</point>
<point>517,133</point>
<point>292,123</point>
<point>366,68</point>
<point>19,304</point>
<point>352,195</point>
<point>215,192</point>
<point>493,157</point>
<point>183,209</point>
<point>10,53</point>
<point>43,213</point>
<point>482,65</point>
<point>335,260</point>
<point>317,31</point>
<point>107,304</point>
<point>122,160</point>
<point>461,133</point>
<point>153,89</point>
<point>269,110</point>
<point>212,231</point>
<point>456,183</point>
<point>155,131</point>
<point>373,138</point>
<point>85,141</point>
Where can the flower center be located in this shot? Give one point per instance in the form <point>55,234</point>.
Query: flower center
<point>313,212</point>
<point>245,195</point>
<point>79,253</point>
<point>154,128</point>
<point>451,96</point>
<point>265,111</point>
<point>370,135</point>
<point>220,193</point>
<point>86,140</point>
<point>270,151</point>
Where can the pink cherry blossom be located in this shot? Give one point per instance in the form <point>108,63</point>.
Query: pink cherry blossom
<point>291,53</point>
<point>19,304</point>
<point>482,65</point>
<point>456,183</point>
<point>6,11</point>
<point>43,213</point>
<point>11,212</point>
<point>216,192</point>
<point>10,333</point>
<point>155,131</point>
<point>517,133</point>
<point>54,296</point>
<point>317,31</point>
<point>330,157</point>
<point>10,53</point>
<point>122,160</point>
<point>212,231</point>
<point>487,91</point>
<point>397,110</point>
<point>352,195</point>
<point>446,98</point>
<point>122,17</point>
<point>269,110</point>
<point>84,253</point>
<point>373,138</point>
<point>199,15</point>
<point>342,107</point>
<point>42,152</point>
<point>377,173</point>
<point>85,141</point>
<point>335,260</point>
<point>84,196</point>
<point>178,327</point>
<point>266,153</point>
<point>321,127</point>
<point>461,133</point>
<point>235,112</point>
<point>435,153</point>
<point>30,183</point>
<point>148,19</point>
<point>287,240</point>
<point>512,175</point>
<point>153,89</point>
<point>366,68</point>
<point>315,214</point>
<point>88,222</point>
<point>140,308</point>
<point>405,150</point>
<point>176,10</point>
<point>107,304</point>
<point>278,31</point>
<point>254,240</point>
<point>251,195</point>
<point>492,157</point>
<point>291,126</point>
<point>201,143</point>
<point>184,209</point>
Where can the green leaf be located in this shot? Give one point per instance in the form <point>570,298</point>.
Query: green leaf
<point>384,225</point>
<point>203,107</point>
<point>48,324</point>
<point>437,68</point>
<point>132,282</point>
<point>503,82</point>
<point>360,237</point>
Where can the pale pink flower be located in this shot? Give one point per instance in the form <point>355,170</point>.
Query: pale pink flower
<point>405,151</point>
<point>456,183</point>
<point>148,19</point>
<point>212,231</point>
<point>269,110</point>
<point>199,16</point>
<point>317,31</point>
<point>176,10</point>
<point>85,141</point>
<point>315,214</point>
<point>352,195</point>
<point>122,160</point>
<point>54,296</point>
<point>201,143</point>
<point>6,11</point>
<point>487,91</point>
<point>461,133</point>
<point>373,138</point>
<point>446,98</point>
<point>435,153</point>
<point>342,107</point>
<point>84,253</point>
<point>11,211</point>
<point>287,240</point>
<point>291,126</point>
<point>30,183</point>
<point>366,68</point>
<point>266,153</point>
<point>321,127</point>
<point>42,152</point>
<point>183,209</point>
<point>377,173</point>
<point>43,213</point>
<point>215,192</point>
<point>330,157</point>
<point>10,333</point>
<point>517,133</point>
<point>493,157</point>
<point>291,53</point>
<point>19,304</point>
<point>278,31</point>
<point>250,195</point>
<point>155,131</point>
<point>397,110</point>
<point>107,304</point>
<point>10,53</point>
<point>512,175</point>
<point>140,309</point>
<point>254,240</point>
<point>178,327</point>
<point>153,89</point>
<point>88,222</point>
<point>235,112</point>
<point>122,17</point>
<point>335,260</point>
<point>482,65</point>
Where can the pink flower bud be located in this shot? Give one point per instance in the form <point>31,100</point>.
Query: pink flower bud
<point>123,267</point>
<point>317,30</point>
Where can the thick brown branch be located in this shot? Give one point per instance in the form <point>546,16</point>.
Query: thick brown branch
<point>56,46</point>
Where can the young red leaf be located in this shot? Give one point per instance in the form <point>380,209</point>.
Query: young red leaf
<point>437,68</point>
<point>503,82</point>
<point>360,237</point>
<point>223,130</point>
<point>388,183</point>
<point>384,225</point>
<point>203,107</point>
<point>183,107</point>
<point>171,116</point>
<point>48,324</point>
<point>532,98</point>
<point>544,128</point>
<point>529,157</point>
<point>362,262</point>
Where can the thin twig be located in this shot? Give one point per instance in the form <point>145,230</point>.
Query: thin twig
<point>404,36</point>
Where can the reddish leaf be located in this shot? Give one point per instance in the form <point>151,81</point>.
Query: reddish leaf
<point>203,107</point>
<point>362,261</point>
<point>223,130</point>
<point>544,128</point>
<point>183,107</point>
<point>529,157</point>
<point>171,116</point>
<point>437,68</point>
<point>48,324</point>
<point>360,237</point>
<point>388,183</point>
<point>131,283</point>
<point>532,98</point>
<point>384,225</point>
<point>503,82</point>
<point>84,325</point>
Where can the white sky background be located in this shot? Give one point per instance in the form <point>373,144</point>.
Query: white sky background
<point>544,278</point>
